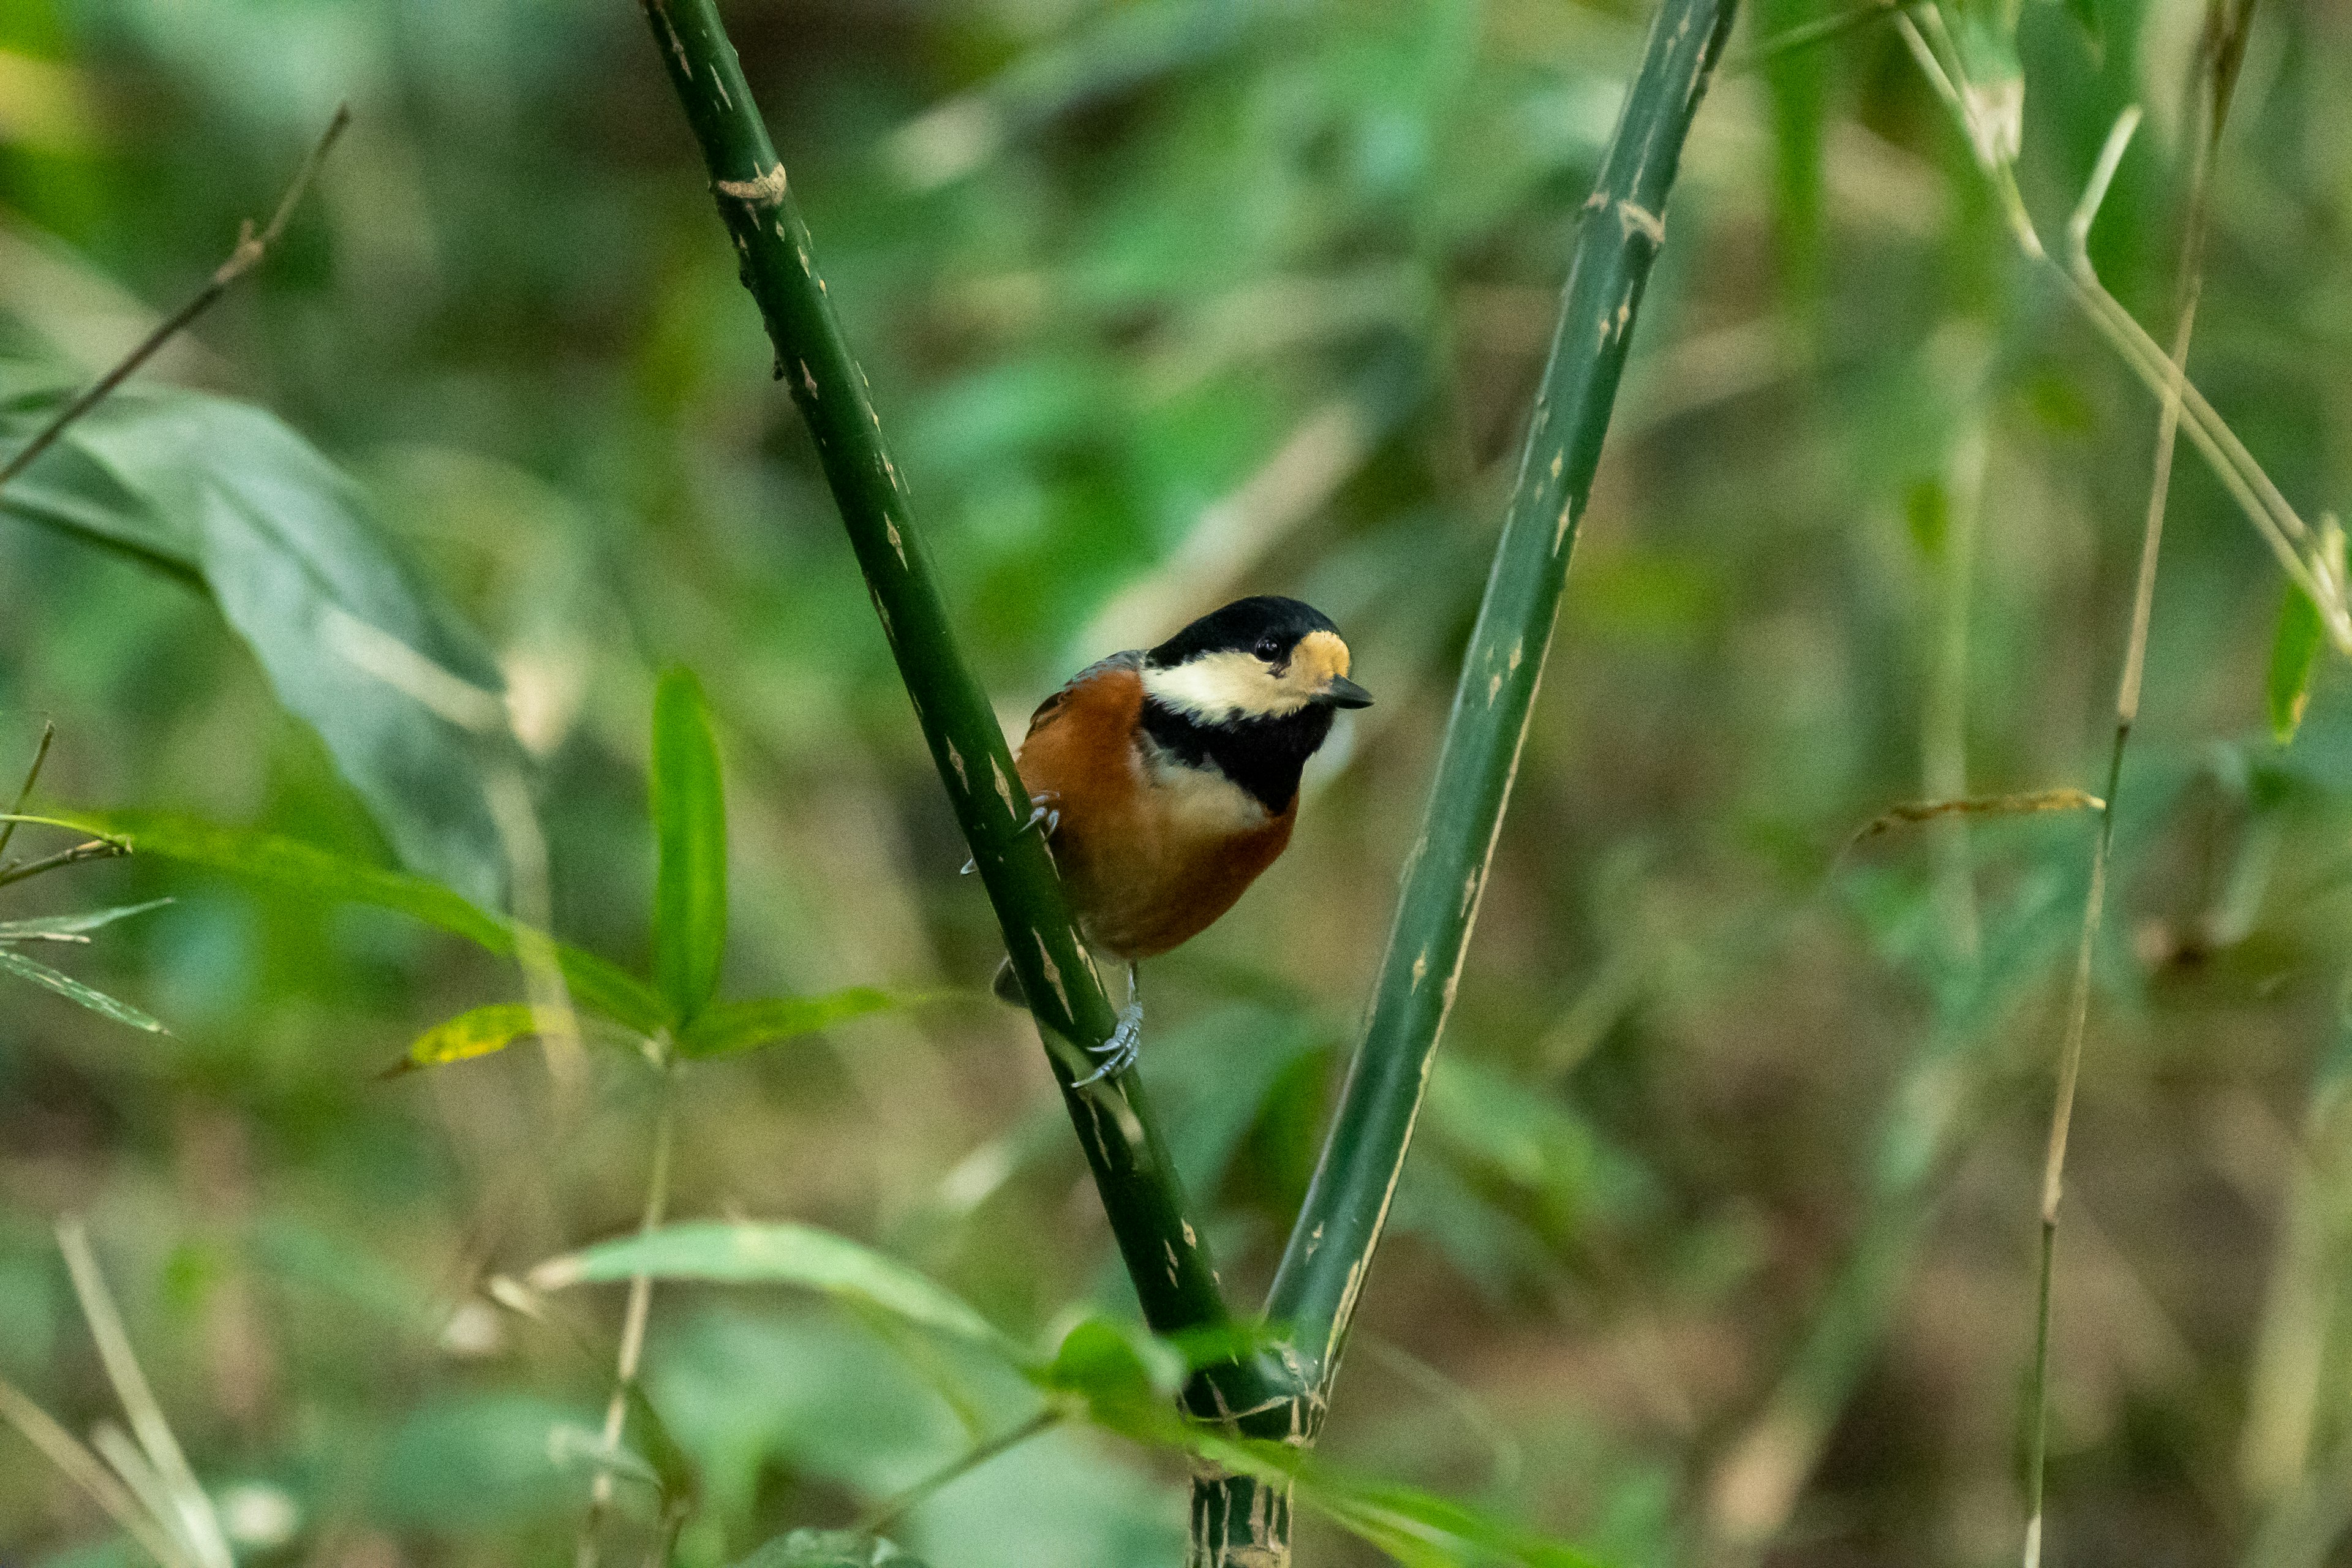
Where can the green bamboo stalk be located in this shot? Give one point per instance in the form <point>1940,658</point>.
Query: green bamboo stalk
<point>1244,1521</point>
<point>1322,1271</point>
<point>1141,1189</point>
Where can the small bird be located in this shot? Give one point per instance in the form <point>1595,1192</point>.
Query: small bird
<point>1167,779</point>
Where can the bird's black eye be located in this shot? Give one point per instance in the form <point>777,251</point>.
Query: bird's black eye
<point>1268,648</point>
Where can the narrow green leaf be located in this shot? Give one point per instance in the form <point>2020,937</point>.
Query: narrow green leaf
<point>53,926</point>
<point>673,1468</point>
<point>1114,1369</point>
<point>475,1034</point>
<point>2294,654</point>
<point>779,1254</point>
<point>73,990</point>
<point>735,1026</point>
<point>830,1549</point>
<point>284,865</point>
<point>690,822</point>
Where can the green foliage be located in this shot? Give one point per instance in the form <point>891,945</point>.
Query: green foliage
<point>730,1028</point>
<point>829,1548</point>
<point>283,865</point>
<point>405,695</point>
<point>2294,656</point>
<point>72,989</point>
<point>799,1255</point>
<point>690,826</point>
<point>1722,1164</point>
<point>474,1032</point>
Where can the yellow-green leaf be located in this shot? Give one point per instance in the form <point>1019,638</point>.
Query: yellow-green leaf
<point>475,1034</point>
<point>2295,653</point>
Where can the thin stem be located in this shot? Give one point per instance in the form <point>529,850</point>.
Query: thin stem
<point>197,1524</point>
<point>82,1467</point>
<point>249,250</point>
<point>1142,1193</point>
<point>32,776</point>
<point>886,1513</point>
<point>1323,1269</point>
<point>96,849</point>
<point>639,1309</point>
<point>2128,701</point>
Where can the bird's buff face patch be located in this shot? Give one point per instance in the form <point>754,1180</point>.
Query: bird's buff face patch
<point>1218,687</point>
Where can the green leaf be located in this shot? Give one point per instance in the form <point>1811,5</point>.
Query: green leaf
<point>285,864</point>
<point>779,1253</point>
<point>1118,1371</point>
<point>475,1034</point>
<point>73,990</point>
<point>2086,16</point>
<point>830,1549</point>
<point>672,1466</point>
<point>354,641</point>
<point>734,1027</point>
<point>51,927</point>
<point>2294,654</point>
<point>690,823</point>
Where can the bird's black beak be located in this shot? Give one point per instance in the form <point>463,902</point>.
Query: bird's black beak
<point>1344,693</point>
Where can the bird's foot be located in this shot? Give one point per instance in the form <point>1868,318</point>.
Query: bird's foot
<point>1119,1053</point>
<point>1041,810</point>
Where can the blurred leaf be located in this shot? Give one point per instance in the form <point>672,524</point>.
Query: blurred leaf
<point>673,1468</point>
<point>53,926</point>
<point>1425,1531</point>
<point>2294,654</point>
<point>1117,1370</point>
<point>2086,16</point>
<point>475,1034</point>
<point>778,1253</point>
<point>479,1461</point>
<point>690,823</point>
<point>354,641</point>
<point>1927,513</point>
<point>829,1548</point>
<point>735,1026</point>
<point>268,860</point>
<point>72,989</point>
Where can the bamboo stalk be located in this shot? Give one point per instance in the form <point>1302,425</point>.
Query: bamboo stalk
<point>1323,1269</point>
<point>1243,1521</point>
<point>1141,1193</point>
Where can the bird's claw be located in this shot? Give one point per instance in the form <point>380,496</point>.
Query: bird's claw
<point>1039,811</point>
<point>1119,1053</point>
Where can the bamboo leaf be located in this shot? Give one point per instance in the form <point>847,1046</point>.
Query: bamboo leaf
<point>830,1549</point>
<point>73,990</point>
<point>1116,1370</point>
<point>673,1466</point>
<point>54,927</point>
<point>732,1027</point>
<point>269,861</point>
<point>473,1034</point>
<point>2295,655</point>
<point>283,540</point>
<point>690,824</point>
<point>779,1254</point>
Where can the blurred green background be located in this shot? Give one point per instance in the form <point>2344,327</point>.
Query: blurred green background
<point>1716,1246</point>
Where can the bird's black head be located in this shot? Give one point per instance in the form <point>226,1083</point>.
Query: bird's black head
<point>1262,658</point>
<point>1249,691</point>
